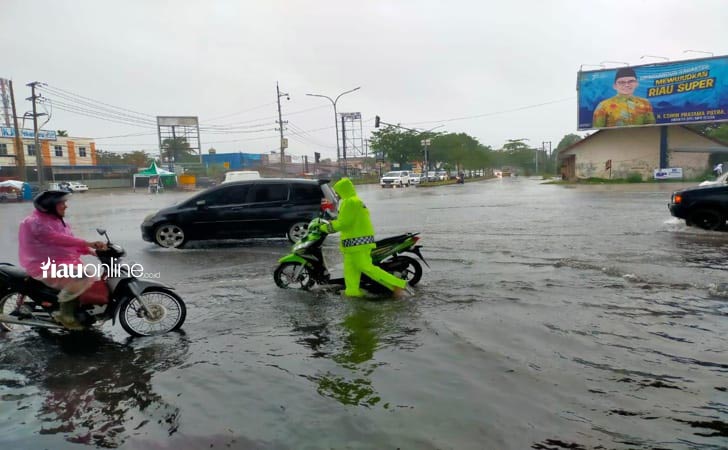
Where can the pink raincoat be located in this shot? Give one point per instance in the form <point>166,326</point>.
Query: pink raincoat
<point>42,236</point>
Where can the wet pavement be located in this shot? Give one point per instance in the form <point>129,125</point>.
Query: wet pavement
<point>551,317</point>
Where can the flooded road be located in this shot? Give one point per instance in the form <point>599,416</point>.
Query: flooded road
<point>551,317</point>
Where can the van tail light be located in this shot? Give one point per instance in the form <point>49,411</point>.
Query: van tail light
<point>326,205</point>
<point>677,198</point>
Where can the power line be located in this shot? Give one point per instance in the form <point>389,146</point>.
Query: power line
<point>243,111</point>
<point>95,114</point>
<point>125,135</point>
<point>493,113</point>
<point>47,86</point>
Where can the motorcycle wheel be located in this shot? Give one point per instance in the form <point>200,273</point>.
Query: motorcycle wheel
<point>284,276</point>
<point>167,313</point>
<point>8,303</point>
<point>412,272</point>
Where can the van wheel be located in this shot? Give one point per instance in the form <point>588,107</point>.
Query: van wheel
<point>169,235</point>
<point>707,219</point>
<point>297,231</point>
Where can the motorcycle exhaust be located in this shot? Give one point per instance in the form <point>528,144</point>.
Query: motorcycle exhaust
<point>29,322</point>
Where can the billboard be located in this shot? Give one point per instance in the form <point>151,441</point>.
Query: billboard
<point>177,121</point>
<point>673,93</point>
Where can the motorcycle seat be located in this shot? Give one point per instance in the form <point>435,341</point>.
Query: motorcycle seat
<point>12,275</point>
<point>392,240</point>
<point>17,279</point>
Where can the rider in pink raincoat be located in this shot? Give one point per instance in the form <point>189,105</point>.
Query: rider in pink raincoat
<point>44,238</point>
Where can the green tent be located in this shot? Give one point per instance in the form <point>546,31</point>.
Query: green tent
<point>165,177</point>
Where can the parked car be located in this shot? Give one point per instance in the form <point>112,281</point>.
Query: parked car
<point>431,176</point>
<point>60,186</point>
<point>398,178</point>
<point>415,178</point>
<point>267,207</point>
<point>77,186</point>
<point>704,206</point>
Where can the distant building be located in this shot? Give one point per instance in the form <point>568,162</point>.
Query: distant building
<point>637,150</point>
<point>235,161</point>
<point>64,158</point>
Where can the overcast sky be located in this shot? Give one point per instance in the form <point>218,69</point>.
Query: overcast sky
<point>419,63</point>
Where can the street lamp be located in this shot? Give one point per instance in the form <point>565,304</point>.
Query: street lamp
<point>655,56</point>
<point>699,51</point>
<point>615,62</point>
<point>336,121</point>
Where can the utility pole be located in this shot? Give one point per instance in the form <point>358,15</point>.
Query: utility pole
<point>19,154</point>
<point>280,124</point>
<point>425,143</point>
<point>343,142</point>
<point>38,153</point>
<point>543,146</point>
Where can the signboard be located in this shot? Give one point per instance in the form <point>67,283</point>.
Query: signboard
<point>351,116</point>
<point>43,135</point>
<point>672,93</point>
<point>176,121</point>
<point>671,173</point>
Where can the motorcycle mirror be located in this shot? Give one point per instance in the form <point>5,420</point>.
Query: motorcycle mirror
<point>102,232</point>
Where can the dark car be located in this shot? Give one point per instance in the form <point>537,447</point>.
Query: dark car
<point>267,207</point>
<point>704,207</point>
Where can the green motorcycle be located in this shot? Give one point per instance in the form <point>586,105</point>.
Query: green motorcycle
<point>305,266</point>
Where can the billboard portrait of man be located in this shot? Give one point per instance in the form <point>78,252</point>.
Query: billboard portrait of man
<point>624,109</point>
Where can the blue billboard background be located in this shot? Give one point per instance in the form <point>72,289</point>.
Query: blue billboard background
<point>680,93</point>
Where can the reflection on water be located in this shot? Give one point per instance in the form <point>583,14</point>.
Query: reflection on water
<point>367,327</point>
<point>89,388</point>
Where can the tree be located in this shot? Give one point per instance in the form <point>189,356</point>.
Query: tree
<point>106,158</point>
<point>453,149</point>
<point>179,149</point>
<point>397,145</point>
<point>61,133</point>
<point>138,158</point>
<point>567,141</point>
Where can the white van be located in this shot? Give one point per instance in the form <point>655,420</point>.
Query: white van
<point>241,175</point>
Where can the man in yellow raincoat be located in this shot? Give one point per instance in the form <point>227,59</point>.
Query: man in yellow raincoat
<point>357,242</point>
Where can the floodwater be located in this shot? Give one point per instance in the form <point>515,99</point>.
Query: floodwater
<point>551,317</point>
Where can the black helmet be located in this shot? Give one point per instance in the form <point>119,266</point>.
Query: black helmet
<point>46,201</point>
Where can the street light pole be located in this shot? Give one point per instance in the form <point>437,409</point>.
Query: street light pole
<point>336,120</point>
